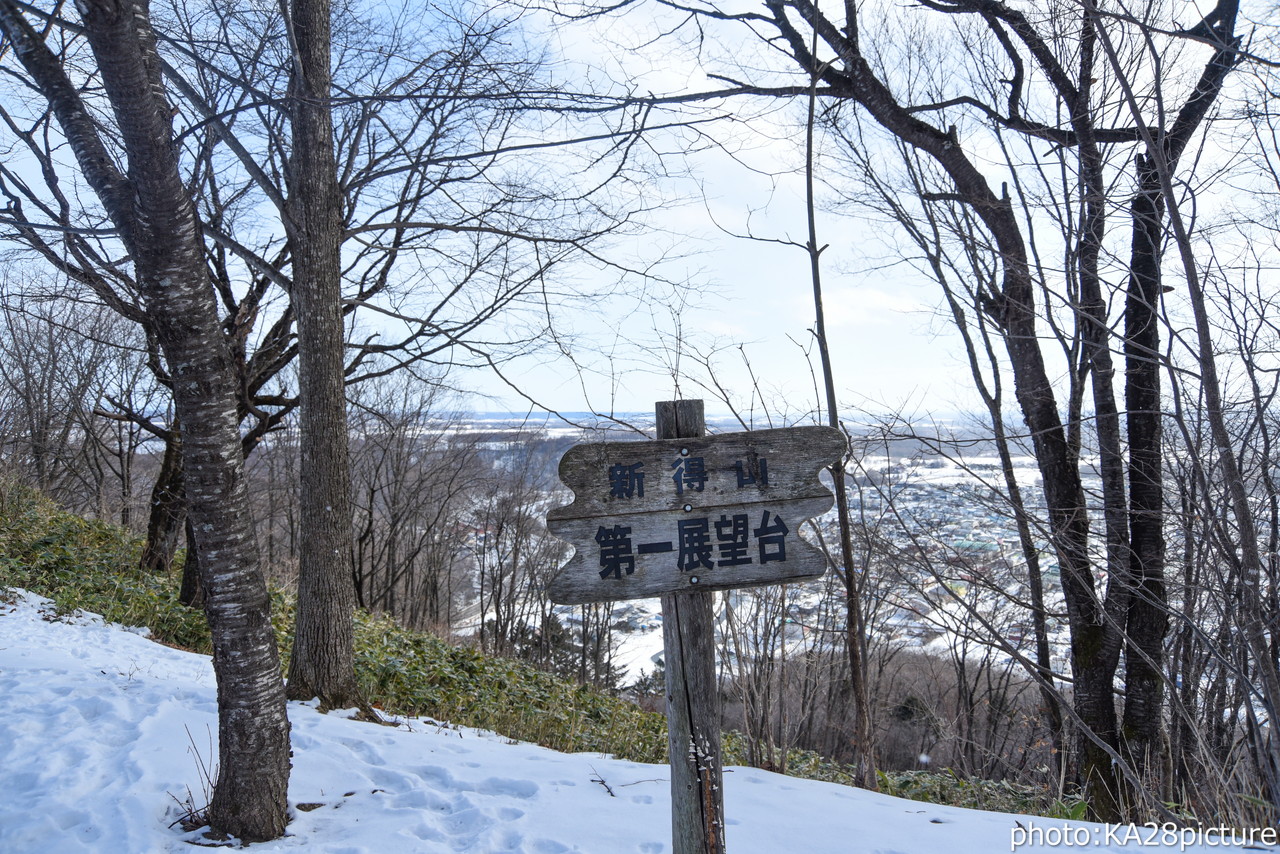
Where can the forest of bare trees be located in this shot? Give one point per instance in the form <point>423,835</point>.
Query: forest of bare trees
<point>249,247</point>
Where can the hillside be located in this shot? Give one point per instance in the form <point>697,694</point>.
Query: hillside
<point>107,737</point>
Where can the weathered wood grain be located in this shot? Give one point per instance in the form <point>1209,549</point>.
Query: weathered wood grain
<point>693,697</point>
<point>749,492</point>
<point>693,724</point>
<point>652,574</point>
<point>793,456</point>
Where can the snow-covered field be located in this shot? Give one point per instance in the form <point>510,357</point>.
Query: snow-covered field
<point>103,735</point>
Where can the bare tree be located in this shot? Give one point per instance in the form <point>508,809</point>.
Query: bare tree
<point>415,470</point>
<point>449,136</point>
<point>975,80</point>
<point>514,554</point>
<point>152,213</point>
<point>47,380</point>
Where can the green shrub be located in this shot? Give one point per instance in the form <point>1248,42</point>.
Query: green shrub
<point>416,674</point>
<point>947,787</point>
<point>91,566</point>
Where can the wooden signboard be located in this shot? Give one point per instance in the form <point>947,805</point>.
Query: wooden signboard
<point>709,512</point>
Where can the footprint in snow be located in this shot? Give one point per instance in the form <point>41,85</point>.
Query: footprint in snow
<point>509,787</point>
<point>469,823</point>
<point>363,751</point>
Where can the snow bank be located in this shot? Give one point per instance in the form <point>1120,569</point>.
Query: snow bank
<point>104,735</point>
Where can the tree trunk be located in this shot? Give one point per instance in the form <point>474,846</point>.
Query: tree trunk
<point>864,735</point>
<point>323,662</point>
<point>1148,619</point>
<point>168,512</point>
<point>191,592</point>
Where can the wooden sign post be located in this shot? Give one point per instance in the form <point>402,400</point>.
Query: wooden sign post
<point>678,518</point>
<point>693,697</point>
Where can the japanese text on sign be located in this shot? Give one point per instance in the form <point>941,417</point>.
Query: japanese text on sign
<point>699,543</point>
<point>715,512</point>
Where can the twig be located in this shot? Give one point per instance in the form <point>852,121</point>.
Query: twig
<point>600,779</point>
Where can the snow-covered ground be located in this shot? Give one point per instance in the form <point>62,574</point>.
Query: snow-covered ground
<point>103,735</point>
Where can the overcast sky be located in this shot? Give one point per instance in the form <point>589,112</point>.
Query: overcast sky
<point>890,349</point>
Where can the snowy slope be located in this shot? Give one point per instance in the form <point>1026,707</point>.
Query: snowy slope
<point>102,734</point>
